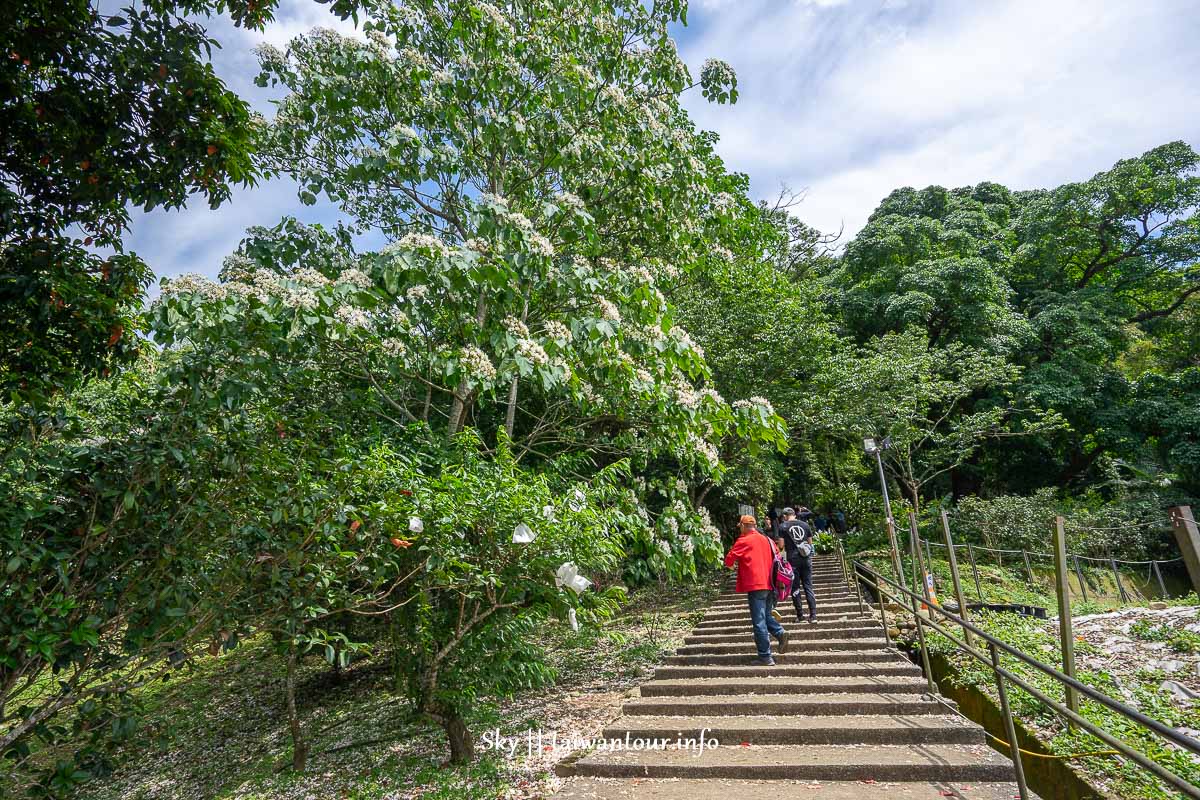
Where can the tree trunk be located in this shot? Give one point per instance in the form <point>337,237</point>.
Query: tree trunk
<point>299,746</point>
<point>510,417</point>
<point>462,743</point>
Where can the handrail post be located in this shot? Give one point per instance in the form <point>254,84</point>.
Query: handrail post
<point>916,612</point>
<point>895,548</point>
<point>958,592</point>
<point>1028,568</point>
<point>1079,575</point>
<point>1063,590</point>
<point>846,575</point>
<point>975,571</point>
<point>1162,587</point>
<point>1117,577</point>
<point>915,536</point>
<point>928,559</point>
<point>882,612</point>
<point>1009,727</point>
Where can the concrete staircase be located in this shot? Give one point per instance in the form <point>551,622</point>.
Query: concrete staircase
<point>840,716</point>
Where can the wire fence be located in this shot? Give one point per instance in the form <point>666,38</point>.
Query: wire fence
<point>1106,561</point>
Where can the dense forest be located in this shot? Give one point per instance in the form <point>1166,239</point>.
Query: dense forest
<point>583,345</point>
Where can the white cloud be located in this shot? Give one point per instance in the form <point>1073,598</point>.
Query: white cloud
<point>853,102</point>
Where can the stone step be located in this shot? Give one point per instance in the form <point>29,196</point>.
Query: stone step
<point>732,731</point>
<point>785,608</point>
<point>782,704</point>
<point>789,623</point>
<point>771,685</point>
<point>741,605</point>
<point>788,613</point>
<point>797,632</point>
<point>784,671</point>
<point>747,647</point>
<point>932,762</point>
<point>585,788</point>
<point>743,659</point>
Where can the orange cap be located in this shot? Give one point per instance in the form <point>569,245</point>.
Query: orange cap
<point>748,519</point>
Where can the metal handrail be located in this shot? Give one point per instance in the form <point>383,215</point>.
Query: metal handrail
<point>995,645</point>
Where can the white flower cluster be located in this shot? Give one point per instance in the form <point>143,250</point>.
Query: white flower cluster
<point>540,244</point>
<point>533,352</point>
<point>561,364</point>
<point>520,221</point>
<point>237,267</point>
<point>642,273</point>
<point>613,94</point>
<point>352,317</point>
<point>423,241</point>
<point>723,201</point>
<point>307,276</point>
<point>477,363</point>
<point>704,448</point>
<point>417,292</point>
<point>193,284</point>
<point>557,331</point>
<point>761,402</point>
<point>643,377</point>
<point>716,71</point>
<point>356,278</point>
<point>394,347</point>
<point>495,17</point>
<point>680,335</point>
<point>479,245</point>
<point>687,546</point>
<point>569,200</point>
<point>402,131</point>
<point>664,545</point>
<point>712,394</point>
<point>608,309</point>
<point>722,252</point>
<point>516,327</point>
<point>494,199</point>
<point>685,394</point>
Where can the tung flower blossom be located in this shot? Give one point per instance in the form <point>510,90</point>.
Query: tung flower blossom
<point>423,241</point>
<point>533,352</point>
<point>356,278</point>
<point>557,331</point>
<point>477,363</point>
<point>608,309</point>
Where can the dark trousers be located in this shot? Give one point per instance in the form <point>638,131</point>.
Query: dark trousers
<point>803,583</point>
<point>763,623</point>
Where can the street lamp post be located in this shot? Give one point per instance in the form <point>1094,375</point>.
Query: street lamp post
<point>871,447</point>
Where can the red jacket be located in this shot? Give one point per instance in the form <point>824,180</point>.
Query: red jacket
<point>754,554</point>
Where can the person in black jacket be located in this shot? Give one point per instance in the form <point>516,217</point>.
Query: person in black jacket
<point>796,536</point>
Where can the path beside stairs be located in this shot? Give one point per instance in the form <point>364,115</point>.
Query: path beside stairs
<point>839,717</point>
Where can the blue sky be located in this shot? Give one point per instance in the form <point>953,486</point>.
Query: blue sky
<point>847,99</point>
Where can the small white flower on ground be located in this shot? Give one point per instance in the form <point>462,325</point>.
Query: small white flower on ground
<point>523,534</point>
<point>574,620</point>
<point>415,525</point>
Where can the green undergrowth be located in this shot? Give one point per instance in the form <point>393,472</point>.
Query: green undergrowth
<point>1121,777</point>
<point>218,728</point>
<point>1009,583</point>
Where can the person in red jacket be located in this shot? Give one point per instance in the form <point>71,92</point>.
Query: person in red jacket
<point>755,556</point>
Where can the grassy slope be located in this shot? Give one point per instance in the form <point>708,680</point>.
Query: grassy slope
<point>1138,686</point>
<point>219,730</point>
